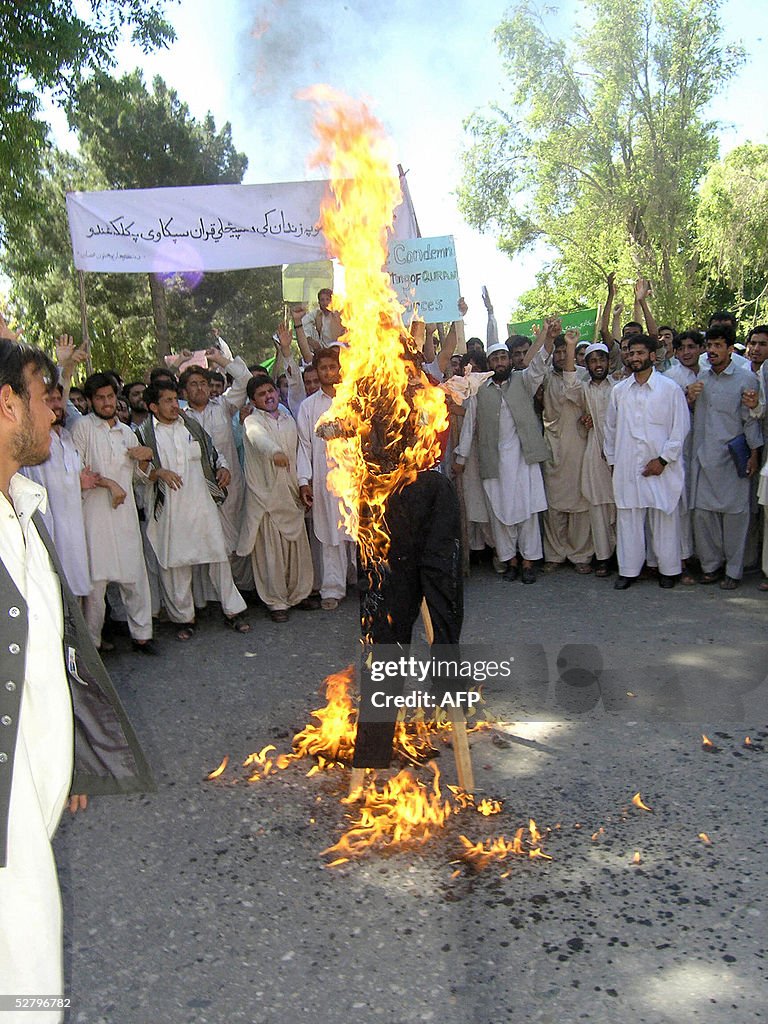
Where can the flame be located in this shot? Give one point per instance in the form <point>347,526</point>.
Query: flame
<point>332,739</point>
<point>479,855</point>
<point>596,835</point>
<point>489,807</point>
<point>637,859</point>
<point>747,741</point>
<point>705,838</point>
<point>404,810</point>
<point>262,764</point>
<point>706,742</point>
<point>637,800</point>
<point>534,832</point>
<point>382,428</point>
<point>218,771</point>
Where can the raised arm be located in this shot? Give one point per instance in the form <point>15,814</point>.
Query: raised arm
<point>642,293</point>
<point>297,315</point>
<point>492,329</point>
<point>605,319</point>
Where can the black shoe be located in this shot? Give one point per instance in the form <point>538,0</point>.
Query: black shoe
<point>623,582</point>
<point>667,582</point>
<point>511,574</point>
<point>528,575</point>
<point>148,647</point>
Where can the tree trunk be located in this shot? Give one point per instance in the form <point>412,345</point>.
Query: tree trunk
<point>160,314</point>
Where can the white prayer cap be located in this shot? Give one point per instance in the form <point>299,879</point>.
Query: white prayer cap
<point>580,343</point>
<point>500,346</point>
<point>598,346</point>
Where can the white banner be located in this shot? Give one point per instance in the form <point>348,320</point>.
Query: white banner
<point>201,227</point>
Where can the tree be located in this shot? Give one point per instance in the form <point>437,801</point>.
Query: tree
<point>732,230</point>
<point>52,45</point>
<point>131,138</point>
<point>604,144</point>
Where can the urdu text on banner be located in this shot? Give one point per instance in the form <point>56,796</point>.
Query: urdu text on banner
<point>200,227</point>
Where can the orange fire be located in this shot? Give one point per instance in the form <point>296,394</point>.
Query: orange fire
<point>705,838</point>
<point>706,742</point>
<point>382,428</point>
<point>219,771</point>
<point>480,855</point>
<point>260,764</point>
<point>637,859</point>
<point>747,741</point>
<point>404,810</point>
<point>637,800</point>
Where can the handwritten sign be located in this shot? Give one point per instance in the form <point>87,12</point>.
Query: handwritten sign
<point>200,227</point>
<point>425,277</point>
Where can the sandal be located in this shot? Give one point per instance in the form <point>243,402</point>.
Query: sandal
<point>186,631</point>
<point>237,623</point>
<point>762,585</point>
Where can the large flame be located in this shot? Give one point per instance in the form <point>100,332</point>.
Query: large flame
<point>383,426</point>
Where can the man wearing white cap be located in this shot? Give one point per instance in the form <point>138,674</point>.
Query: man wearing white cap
<point>596,482</point>
<point>511,448</point>
<point>645,427</point>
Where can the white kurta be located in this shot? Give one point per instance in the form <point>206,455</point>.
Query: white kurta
<point>312,466</point>
<point>60,475</point>
<point>518,491</point>
<point>273,529</point>
<point>30,905</point>
<point>187,530</point>
<point>643,422</point>
<point>216,419</point>
<point>114,543</point>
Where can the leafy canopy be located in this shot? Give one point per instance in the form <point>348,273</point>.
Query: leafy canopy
<point>603,142</point>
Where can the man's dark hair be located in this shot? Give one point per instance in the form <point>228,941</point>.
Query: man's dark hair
<point>760,329</point>
<point>721,332</point>
<point>215,375</point>
<point>257,382</point>
<point>15,356</point>
<point>692,335</point>
<point>325,353</point>
<point>155,388</point>
<point>667,327</point>
<point>324,291</point>
<point>259,368</point>
<point>559,341</point>
<point>723,316</point>
<point>631,323</point>
<point>648,343</point>
<point>479,357</point>
<point>193,371</point>
<point>117,377</point>
<point>131,384</point>
<point>517,341</point>
<point>161,372</point>
<point>96,382</point>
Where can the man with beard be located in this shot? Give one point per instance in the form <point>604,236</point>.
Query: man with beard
<point>112,531</point>
<point>596,482</point>
<point>273,533</point>
<point>567,534</point>
<point>183,524</point>
<point>511,448</point>
<point>215,417</point>
<point>719,493</point>
<point>37,767</point>
<point>338,548</point>
<point>687,348</point>
<point>645,427</point>
<point>134,396</point>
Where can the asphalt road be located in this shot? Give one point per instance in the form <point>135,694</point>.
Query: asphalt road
<point>209,902</point>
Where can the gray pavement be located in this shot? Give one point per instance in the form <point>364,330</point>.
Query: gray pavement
<point>208,903</point>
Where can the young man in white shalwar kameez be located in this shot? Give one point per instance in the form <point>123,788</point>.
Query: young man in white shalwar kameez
<point>183,523</point>
<point>273,532</point>
<point>312,469</point>
<point>115,554</point>
<point>645,429</point>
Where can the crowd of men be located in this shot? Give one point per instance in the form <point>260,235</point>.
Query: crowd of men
<point>641,451</point>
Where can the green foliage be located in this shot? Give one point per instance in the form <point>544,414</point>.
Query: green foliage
<point>132,138</point>
<point>52,45</point>
<point>603,144</point>
<point>732,230</point>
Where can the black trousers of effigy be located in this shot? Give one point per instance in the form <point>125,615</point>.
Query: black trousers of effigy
<point>424,562</point>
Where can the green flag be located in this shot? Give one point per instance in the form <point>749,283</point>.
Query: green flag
<point>584,320</point>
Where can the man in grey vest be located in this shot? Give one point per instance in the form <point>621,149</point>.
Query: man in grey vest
<point>511,448</point>
<point>62,728</point>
